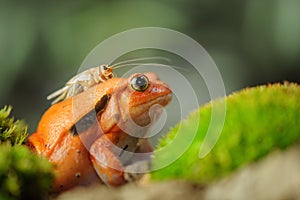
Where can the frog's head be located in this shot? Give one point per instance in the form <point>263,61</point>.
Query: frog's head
<point>132,100</point>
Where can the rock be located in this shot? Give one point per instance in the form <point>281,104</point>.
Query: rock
<point>275,177</point>
<point>163,190</point>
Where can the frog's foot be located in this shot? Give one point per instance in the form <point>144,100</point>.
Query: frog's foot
<point>107,165</point>
<point>136,170</point>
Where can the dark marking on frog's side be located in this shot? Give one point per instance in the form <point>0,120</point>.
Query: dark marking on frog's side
<point>89,119</point>
<point>126,146</point>
<point>77,175</point>
<point>102,103</point>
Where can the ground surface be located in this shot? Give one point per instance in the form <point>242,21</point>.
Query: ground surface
<point>275,177</point>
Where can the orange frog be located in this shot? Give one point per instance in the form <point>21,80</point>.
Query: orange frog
<point>84,137</point>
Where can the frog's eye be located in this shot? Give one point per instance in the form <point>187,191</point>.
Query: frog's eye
<point>139,83</point>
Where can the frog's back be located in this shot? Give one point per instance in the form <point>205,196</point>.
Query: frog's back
<point>57,121</point>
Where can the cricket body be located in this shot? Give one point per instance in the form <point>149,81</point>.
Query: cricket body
<point>82,81</point>
<point>82,135</point>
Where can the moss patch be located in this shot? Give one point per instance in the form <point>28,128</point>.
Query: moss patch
<point>23,175</point>
<point>258,120</point>
<point>10,130</point>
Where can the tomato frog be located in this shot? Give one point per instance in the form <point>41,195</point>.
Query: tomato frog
<point>84,137</point>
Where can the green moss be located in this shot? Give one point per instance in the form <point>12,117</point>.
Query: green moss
<point>258,121</point>
<point>23,175</point>
<point>10,130</point>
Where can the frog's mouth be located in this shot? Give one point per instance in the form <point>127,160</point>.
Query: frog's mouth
<point>147,113</point>
<point>144,107</point>
<point>137,120</point>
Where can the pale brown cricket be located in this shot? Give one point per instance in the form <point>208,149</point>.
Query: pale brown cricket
<point>82,82</point>
<point>91,77</point>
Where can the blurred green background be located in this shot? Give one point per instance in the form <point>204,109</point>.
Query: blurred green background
<point>42,43</point>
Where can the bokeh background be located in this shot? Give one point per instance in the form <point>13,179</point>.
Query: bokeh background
<point>43,43</point>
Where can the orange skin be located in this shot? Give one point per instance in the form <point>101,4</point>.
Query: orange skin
<point>86,153</point>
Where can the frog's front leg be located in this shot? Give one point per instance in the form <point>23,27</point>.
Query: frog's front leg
<point>106,163</point>
<point>115,160</point>
<point>140,163</point>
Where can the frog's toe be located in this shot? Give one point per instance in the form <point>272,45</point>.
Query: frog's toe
<point>136,170</point>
